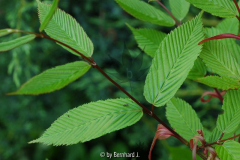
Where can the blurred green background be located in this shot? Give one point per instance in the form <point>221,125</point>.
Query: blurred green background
<point>24,118</point>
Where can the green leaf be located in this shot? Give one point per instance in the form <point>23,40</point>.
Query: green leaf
<point>4,32</point>
<point>65,28</point>
<point>146,12</point>
<point>49,15</point>
<point>218,57</point>
<point>6,46</point>
<point>53,79</point>
<point>230,120</point>
<point>183,118</point>
<point>179,8</point>
<point>173,61</point>
<point>221,8</point>
<point>224,83</point>
<point>199,70</point>
<point>229,150</point>
<point>91,121</point>
<point>181,153</point>
<point>229,25</point>
<point>148,39</point>
<point>215,135</point>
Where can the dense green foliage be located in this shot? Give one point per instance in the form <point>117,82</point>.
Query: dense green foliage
<point>179,62</point>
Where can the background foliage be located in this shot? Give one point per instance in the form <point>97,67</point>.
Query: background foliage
<point>23,118</point>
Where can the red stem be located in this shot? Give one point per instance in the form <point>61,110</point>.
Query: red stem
<point>176,21</point>
<point>146,110</point>
<point>221,137</point>
<point>238,18</point>
<point>236,4</point>
<point>217,142</point>
<point>219,94</point>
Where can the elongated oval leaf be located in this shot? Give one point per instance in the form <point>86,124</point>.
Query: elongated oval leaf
<point>183,118</point>
<point>91,121</point>
<point>173,61</point>
<point>66,29</point>
<point>6,46</point>
<point>7,31</point>
<point>224,83</point>
<point>146,12</point>
<point>53,79</point>
<point>148,39</point>
<point>229,150</point>
<point>179,8</point>
<point>218,57</point>
<point>221,8</point>
<point>230,120</point>
<point>49,15</point>
<point>199,70</point>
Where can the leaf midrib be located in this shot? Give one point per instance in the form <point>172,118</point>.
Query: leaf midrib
<point>92,120</point>
<point>175,64</point>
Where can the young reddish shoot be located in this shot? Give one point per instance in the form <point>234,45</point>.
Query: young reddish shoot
<point>220,36</point>
<point>215,94</point>
<point>176,21</point>
<point>161,133</point>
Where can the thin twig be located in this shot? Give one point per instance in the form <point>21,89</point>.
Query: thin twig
<point>217,142</point>
<point>176,21</point>
<point>83,56</point>
<point>221,137</point>
<point>238,18</point>
<point>236,4</point>
<point>28,32</point>
<point>152,108</point>
<point>219,94</point>
<point>145,110</point>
